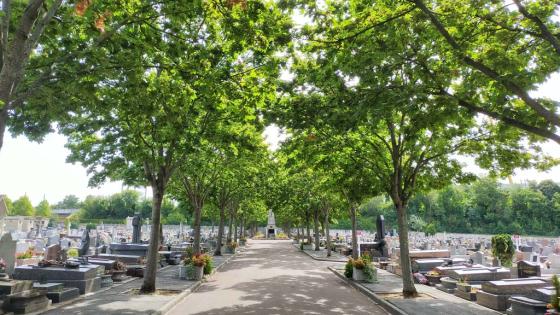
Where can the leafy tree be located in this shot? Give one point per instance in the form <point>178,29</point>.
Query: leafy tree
<point>69,202</point>
<point>548,188</point>
<point>9,204</point>
<point>23,206</point>
<point>43,209</point>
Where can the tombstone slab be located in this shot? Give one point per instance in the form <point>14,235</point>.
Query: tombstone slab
<point>514,286</point>
<point>525,306</point>
<point>494,301</point>
<point>8,252</point>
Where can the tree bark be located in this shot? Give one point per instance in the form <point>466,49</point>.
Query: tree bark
<point>354,233</point>
<point>236,225</point>
<point>230,228</point>
<point>149,284</point>
<point>196,230</point>
<point>218,251</point>
<point>316,228</point>
<point>327,232</point>
<point>409,290</point>
<point>308,230</point>
<point>3,124</point>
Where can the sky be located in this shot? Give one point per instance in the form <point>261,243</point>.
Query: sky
<point>40,171</point>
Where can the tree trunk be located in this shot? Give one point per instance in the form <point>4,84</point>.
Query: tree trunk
<point>196,229</point>
<point>230,228</point>
<point>354,232</point>
<point>218,251</point>
<point>408,285</point>
<point>149,284</point>
<point>3,124</point>
<point>327,232</point>
<point>316,228</point>
<point>236,225</point>
<point>241,224</point>
<point>298,235</point>
<point>308,230</point>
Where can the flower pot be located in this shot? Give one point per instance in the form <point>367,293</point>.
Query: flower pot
<point>358,274</point>
<point>191,272</point>
<point>434,279</point>
<point>183,272</point>
<point>118,276</point>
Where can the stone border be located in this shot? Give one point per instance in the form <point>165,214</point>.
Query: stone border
<point>181,296</point>
<point>319,259</point>
<point>388,306</point>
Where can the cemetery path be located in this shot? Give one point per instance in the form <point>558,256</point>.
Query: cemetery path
<point>273,277</point>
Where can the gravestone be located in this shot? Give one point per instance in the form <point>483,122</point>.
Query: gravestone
<point>8,252</point>
<point>84,246</point>
<point>477,258</point>
<point>526,269</point>
<point>136,229</point>
<point>53,252</point>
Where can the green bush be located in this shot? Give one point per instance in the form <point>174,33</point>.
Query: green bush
<point>503,249</point>
<point>349,268</point>
<point>209,265</point>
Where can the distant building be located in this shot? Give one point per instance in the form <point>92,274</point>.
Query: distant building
<point>64,213</point>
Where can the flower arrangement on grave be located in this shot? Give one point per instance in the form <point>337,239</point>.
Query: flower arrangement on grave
<point>3,265</point>
<point>73,252</point>
<point>433,273</point>
<point>503,249</point>
<point>348,268</point>
<point>118,266</point>
<point>28,254</point>
<point>281,236</point>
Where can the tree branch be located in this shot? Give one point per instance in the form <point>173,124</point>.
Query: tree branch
<point>547,34</point>
<point>517,90</point>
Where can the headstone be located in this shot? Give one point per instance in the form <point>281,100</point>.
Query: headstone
<point>84,246</point>
<point>53,252</point>
<point>526,269</point>
<point>136,229</point>
<point>477,257</point>
<point>380,224</point>
<point>8,252</point>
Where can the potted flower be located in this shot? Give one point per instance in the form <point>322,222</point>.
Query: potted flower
<point>230,247</point>
<point>433,277</point>
<point>370,272</point>
<point>358,269</point>
<point>198,261</point>
<point>349,268</point>
<point>3,266</point>
<point>208,264</point>
<point>118,270</point>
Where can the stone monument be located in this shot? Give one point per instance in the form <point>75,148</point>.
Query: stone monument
<point>271,226</point>
<point>84,246</point>
<point>136,229</point>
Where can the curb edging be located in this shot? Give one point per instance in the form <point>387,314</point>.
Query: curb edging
<point>320,259</point>
<point>388,306</point>
<point>181,296</point>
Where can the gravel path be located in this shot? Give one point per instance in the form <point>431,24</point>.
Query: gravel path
<point>272,277</point>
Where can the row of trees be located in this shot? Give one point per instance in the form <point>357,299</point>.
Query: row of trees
<point>484,207</point>
<point>23,206</point>
<point>383,98</point>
